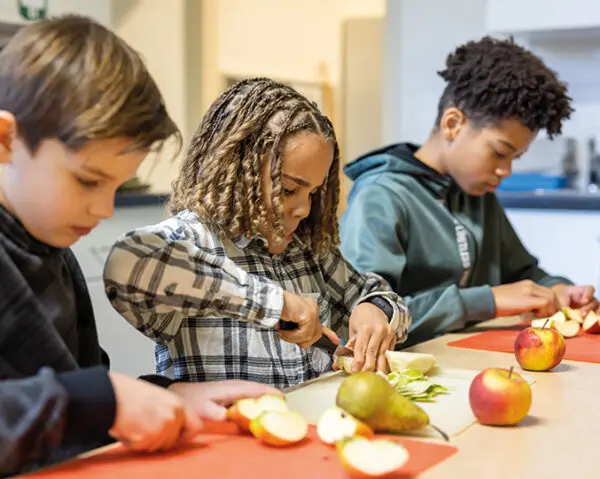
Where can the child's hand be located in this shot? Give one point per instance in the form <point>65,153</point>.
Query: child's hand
<point>305,313</point>
<point>372,336</point>
<point>578,297</point>
<point>524,297</point>
<point>210,400</point>
<point>150,418</point>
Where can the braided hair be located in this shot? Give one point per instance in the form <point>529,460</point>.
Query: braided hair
<point>220,176</point>
<point>491,80</point>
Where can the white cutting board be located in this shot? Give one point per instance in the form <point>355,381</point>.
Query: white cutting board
<point>450,412</point>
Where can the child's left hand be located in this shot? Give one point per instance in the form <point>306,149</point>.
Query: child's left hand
<point>371,336</point>
<point>210,399</point>
<point>578,297</point>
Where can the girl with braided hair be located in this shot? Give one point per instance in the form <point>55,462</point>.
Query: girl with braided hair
<point>251,246</point>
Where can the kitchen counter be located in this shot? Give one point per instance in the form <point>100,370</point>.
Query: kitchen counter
<point>127,199</point>
<point>550,200</point>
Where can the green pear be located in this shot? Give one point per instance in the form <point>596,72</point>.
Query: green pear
<point>370,397</point>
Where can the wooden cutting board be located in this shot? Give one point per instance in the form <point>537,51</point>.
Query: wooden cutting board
<point>450,412</point>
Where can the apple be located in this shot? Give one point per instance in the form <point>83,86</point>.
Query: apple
<point>591,323</point>
<point>573,314</point>
<point>245,410</point>
<point>344,363</point>
<point>364,458</point>
<point>568,329</point>
<point>336,424</point>
<point>539,349</point>
<point>279,428</point>
<point>499,397</point>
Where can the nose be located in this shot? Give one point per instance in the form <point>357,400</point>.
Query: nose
<point>504,170</point>
<point>103,206</point>
<point>301,209</point>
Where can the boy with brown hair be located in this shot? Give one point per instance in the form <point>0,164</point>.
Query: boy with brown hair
<point>79,112</point>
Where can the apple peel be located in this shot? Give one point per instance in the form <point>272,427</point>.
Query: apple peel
<point>591,323</point>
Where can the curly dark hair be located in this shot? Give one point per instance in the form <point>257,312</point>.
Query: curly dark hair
<point>491,80</point>
<point>220,177</point>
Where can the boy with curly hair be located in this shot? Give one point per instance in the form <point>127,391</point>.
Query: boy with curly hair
<point>253,243</point>
<point>426,218</point>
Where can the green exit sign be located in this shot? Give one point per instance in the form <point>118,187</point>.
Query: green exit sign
<point>33,9</point>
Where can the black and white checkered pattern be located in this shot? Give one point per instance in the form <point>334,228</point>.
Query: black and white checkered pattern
<point>211,305</point>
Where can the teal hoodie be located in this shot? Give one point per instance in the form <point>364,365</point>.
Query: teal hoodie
<point>440,248</point>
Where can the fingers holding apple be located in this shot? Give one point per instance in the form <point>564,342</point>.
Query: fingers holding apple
<point>499,397</point>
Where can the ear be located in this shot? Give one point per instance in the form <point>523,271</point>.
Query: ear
<point>451,123</point>
<point>8,131</point>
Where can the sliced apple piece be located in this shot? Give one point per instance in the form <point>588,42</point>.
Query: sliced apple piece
<point>568,329</point>
<point>379,458</point>
<point>344,363</point>
<point>279,428</point>
<point>591,323</point>
<point>573,315</point>
<point>399,361</point>
<point>245,410</point>
<point>541,323</point>
<point>336,424</point>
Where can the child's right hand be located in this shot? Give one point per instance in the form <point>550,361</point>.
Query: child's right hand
<point>524,297</point>
<point>305,313</point>
<point>150,418</point>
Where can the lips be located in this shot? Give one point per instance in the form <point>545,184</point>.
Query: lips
<point>82,231</point>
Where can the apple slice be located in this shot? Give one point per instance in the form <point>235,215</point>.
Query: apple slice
<point>551,322</point>
<point>336,424</point>
<point>245,410</point>
<point>591,323</point>
<point>363,457</point>
<point>279,428</point>
<point>568,329</point>
<point>399,361</point>
<point>573,314</point>
<point>344,363</point>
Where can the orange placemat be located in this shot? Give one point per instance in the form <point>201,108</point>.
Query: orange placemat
<point>583,347</point>
<point>229,457</point>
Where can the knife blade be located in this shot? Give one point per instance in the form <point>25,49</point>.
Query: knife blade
<point>323,342</point>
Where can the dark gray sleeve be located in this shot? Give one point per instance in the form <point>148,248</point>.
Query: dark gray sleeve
<point>40,413</point>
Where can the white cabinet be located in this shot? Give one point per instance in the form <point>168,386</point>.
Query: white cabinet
<point>20,11</point>
<point>129,350</point>
<point>515,16</point>
<point>567,243</point>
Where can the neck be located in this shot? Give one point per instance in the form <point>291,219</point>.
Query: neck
<point>430,153</point>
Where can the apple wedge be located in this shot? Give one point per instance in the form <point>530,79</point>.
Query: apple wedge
<point>550,322</point>
<point>591,323</point>
<point>365,458</point>
<point>573,315</point>
<point>344,363</point>
<point>335,424</point>
<point>245,410</point>
<point>279,428</point>
<point>568,329</point>
<point>399,361</point>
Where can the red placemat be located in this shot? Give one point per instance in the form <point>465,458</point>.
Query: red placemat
<point>229,457</point>
<point>583,347</point>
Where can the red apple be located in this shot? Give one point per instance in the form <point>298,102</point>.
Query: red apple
<point>499,397</point>
<point>335,424</point>
<point>539,349</point>
<point>244,410</point>
<point>591,323</point>
<point>364,458</point>
<point>279,428</point>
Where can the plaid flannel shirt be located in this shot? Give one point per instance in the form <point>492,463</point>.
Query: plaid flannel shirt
<point>211,305</point>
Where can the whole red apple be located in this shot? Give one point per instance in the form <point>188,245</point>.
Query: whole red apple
<point>539,349</point>
<point>499,397</point>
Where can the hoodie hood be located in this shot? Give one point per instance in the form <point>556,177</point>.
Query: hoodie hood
<point>393,162</point>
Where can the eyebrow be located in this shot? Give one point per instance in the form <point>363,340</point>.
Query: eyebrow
<point>300,181</point>
<point>98,172</point>
<point>508,145</point>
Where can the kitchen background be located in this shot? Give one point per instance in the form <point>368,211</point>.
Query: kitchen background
<point>371,66</point>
